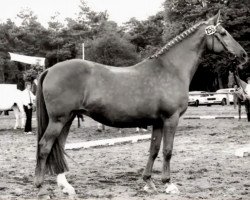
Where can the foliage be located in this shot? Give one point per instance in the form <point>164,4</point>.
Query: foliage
<point>112,50</point>
<point>33,73</point>
<point>145,35</point>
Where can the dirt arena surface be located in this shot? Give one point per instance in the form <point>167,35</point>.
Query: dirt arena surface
<point>203,164</point>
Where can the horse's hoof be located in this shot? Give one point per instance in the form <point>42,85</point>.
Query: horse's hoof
<point>43,194</point>
<point>172,189</point>
<point>149,189</point>
<point>43,197</point>
<point>38,183</point>
<point>69,191</point>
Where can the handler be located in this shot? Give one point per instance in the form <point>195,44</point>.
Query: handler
<point>247,100</point>
<point>28,100</point>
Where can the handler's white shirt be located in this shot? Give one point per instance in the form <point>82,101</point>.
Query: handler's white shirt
<point>28,97</point>
<point>248,91</point>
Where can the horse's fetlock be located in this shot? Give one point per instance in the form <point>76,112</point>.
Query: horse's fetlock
<point>154,155</point>
<point>167,153</point>
<point>146,177</point>
<point>166,180</point>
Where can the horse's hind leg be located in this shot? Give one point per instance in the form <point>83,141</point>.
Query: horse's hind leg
<point>17,117</point>
<point>61,178</point>
<point>22,115</point>
<point>154,150</point>
<point>45,145</point>
<point>239,109</point>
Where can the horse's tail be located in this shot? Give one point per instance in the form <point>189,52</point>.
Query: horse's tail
<point>56,162</point>
<point>42,114</point>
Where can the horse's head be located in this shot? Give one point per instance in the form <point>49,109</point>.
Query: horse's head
<point>218,40</point>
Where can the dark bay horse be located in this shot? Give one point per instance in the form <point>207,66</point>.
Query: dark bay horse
<point>152,92</point>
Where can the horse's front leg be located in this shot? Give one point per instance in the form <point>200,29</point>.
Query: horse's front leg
<point>154,150</point>
<point>169,130</point>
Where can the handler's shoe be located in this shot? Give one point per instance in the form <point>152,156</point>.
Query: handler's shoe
<point>28,133</point>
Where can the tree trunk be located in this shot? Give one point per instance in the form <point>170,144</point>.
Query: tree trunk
<point>204,3</point>
<point>220,82</point>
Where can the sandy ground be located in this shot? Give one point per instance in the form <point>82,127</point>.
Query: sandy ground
<point>203,164</point>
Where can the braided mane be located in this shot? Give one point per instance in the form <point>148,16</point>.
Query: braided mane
<point>177,39</point>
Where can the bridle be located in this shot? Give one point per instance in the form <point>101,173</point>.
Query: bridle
<point>212,30</point>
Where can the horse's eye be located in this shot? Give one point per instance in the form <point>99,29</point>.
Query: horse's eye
<point>223,33</point>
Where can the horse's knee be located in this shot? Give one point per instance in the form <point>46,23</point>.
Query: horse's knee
<point>154,152</point>
<point>167,154</point>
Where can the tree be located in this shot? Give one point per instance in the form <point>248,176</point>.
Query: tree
<point>146,35</point>
<point>111,49</point>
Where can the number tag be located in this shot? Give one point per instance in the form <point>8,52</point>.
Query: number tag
<point>210,30</point>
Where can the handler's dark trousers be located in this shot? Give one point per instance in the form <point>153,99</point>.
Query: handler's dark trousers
<point>247,106</point>
<point>28,112</point>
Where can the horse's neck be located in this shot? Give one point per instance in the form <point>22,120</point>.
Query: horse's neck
<point>184,56</point>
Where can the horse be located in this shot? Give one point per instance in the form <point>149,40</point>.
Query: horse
<point>241,95</point>
<point>11,99</point>
<point>153,92</point>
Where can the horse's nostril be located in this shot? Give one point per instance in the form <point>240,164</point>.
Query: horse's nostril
<point>244,55</point>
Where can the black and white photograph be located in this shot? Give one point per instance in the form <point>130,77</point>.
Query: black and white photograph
<point>124,100</point>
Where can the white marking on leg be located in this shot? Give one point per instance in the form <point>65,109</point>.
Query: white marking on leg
<point>64,185</point>
<point>23,119</point>
<point>150,187</point>
<point>171,189</point>
<point>22,115</point>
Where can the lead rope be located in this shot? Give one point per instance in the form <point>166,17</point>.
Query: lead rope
<point>67,155</point>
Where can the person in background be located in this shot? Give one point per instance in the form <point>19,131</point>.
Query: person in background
<point>247,100</point>
<point>28,100</point>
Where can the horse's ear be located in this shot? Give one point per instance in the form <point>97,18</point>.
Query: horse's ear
<point>216,18</point>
